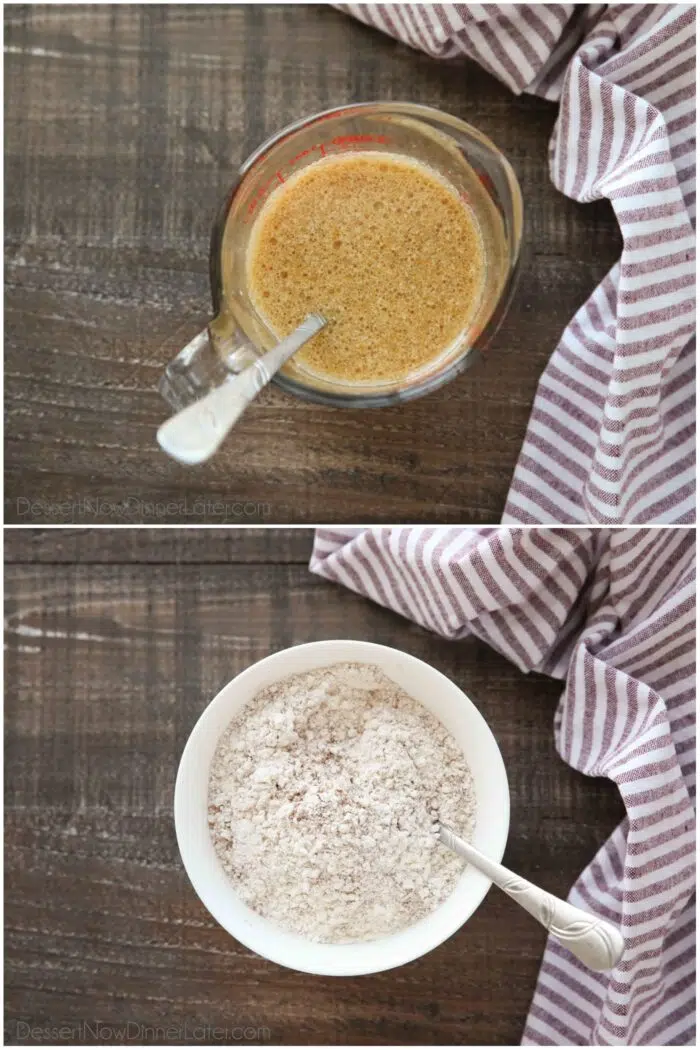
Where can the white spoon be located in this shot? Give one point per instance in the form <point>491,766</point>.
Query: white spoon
<point>194,434</point>
<point>597,943</point>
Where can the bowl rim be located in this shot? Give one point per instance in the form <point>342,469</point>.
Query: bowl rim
<point>418,941</point>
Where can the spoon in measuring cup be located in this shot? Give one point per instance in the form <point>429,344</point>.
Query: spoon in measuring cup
<point>597,943</point>
<point>194,434</point>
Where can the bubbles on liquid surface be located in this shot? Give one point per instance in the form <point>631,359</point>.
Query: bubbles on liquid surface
<point>381,246</point>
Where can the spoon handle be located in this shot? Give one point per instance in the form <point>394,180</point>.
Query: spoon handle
<point>597,943</point>
<point>193,435</point>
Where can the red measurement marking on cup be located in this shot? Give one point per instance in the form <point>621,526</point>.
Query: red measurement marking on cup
<point>342,140</point>
<point>339,144</point>
<point>487,182</point>
<point>278,177</point>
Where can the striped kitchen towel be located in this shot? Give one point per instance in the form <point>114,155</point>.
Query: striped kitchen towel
<point>611,437</point>
<point>611,612</point>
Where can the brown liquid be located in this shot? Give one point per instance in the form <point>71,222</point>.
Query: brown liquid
<point>381,246</point>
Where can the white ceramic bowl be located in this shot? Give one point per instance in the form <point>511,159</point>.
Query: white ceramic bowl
<point>457,713</point>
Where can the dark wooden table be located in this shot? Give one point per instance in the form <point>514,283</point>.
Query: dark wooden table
<point>123,129</point>
<point>116,640</point>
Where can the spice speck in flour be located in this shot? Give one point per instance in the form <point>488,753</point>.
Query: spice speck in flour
<point>323,796</point>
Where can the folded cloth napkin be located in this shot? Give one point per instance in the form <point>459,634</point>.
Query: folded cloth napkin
<point>612,613</point>
<point>611,437</point>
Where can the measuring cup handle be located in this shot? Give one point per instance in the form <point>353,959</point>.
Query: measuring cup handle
<point>205,363</point>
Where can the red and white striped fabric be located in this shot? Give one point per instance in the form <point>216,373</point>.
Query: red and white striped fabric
<point>611,438</point>
<point>612,613</point>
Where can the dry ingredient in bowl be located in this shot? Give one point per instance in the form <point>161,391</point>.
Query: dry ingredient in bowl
<point>323,795</point>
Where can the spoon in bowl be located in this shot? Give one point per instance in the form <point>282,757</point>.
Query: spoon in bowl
<point>194,434</point>
<point>597,943</point>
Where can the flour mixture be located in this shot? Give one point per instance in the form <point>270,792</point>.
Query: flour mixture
<point>322,801</point>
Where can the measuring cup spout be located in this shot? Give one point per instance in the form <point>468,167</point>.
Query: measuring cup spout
<point>195,432</point>
<point>205,363</point>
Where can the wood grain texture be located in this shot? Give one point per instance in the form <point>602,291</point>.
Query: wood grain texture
<point>108,665</point>
<point>123,128</point>
<point>170,545</point>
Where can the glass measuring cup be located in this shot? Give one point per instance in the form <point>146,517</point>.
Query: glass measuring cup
<point>461,154</point>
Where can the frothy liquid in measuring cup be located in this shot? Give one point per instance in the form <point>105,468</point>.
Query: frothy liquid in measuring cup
<point>384,248</point>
